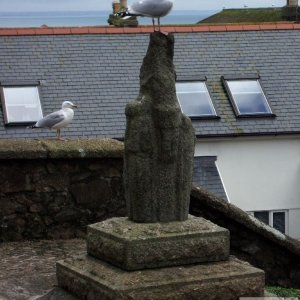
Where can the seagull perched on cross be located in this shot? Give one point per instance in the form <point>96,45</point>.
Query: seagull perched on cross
<point>154,9</point>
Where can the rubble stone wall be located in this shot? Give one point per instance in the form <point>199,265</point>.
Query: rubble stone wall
<point>52,190</point>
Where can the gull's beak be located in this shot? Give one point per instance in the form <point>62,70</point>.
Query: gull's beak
<point>75,106</point>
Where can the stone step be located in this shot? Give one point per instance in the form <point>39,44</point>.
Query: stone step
<point>92,279</point>
<point>136,246</point>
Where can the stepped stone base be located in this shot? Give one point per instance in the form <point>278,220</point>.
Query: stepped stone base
<point>92,279</point>
<point>136,246</point>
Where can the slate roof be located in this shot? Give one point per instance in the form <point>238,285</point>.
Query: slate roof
<point>98,68</point>
<point>207,175</point>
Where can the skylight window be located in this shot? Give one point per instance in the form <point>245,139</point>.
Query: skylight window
<point>195,100</point>
<point>247,97</point>
<point>21,104</point>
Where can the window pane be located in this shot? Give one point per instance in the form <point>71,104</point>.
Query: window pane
<point>251,103</point>
<point>279,221</point>
<point>244,86</point>
<point>22,104</point>
<point>187,87</point>
<point>249,97</point>
<point>194,99</point>
<point>262,216</point>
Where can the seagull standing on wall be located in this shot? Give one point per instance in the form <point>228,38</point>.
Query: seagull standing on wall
<point>58,119</point>
<point>154,9</point>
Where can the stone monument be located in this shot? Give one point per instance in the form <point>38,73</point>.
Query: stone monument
<point>159,142</point>
<point>159,251</point>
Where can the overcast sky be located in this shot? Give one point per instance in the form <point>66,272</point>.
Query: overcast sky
<point>65,5</point>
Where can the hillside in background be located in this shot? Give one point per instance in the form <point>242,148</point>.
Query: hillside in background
<point>246,15</point>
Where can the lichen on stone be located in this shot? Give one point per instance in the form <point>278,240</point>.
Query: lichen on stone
<point>45,148</point>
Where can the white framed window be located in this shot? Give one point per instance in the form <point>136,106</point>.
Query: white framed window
<point>247,97</point>
<point>21,104</point>
<point>195,100</point>
<point>277,219</point>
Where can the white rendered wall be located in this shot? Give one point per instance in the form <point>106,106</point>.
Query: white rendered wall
<point>294,223</point>
<point>259,174</point>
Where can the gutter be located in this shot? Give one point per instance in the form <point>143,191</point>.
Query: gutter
<point>255,134</point>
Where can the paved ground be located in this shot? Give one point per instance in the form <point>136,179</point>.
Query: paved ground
<point>27,269</point>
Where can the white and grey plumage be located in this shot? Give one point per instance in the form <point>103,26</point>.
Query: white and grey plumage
<point>149,8</point>
<point>57,119</point>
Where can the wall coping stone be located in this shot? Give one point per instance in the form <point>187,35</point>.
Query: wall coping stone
<point>241,217</point>
<point>71,149</point>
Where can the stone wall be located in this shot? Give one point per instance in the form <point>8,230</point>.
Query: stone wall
<point>53,189</point>
<point>251,240</point>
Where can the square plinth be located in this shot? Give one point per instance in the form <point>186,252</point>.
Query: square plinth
<point>136,246</point>
<point>92,279</point>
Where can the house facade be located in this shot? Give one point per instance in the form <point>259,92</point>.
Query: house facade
<point>238,83</point>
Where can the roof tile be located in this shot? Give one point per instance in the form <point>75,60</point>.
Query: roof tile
<point>183,29</point>
<point>97,30</point>
<point>62,30</point>
<point>201,28</point>
<point>267,26</point>
<point>284,26</point>
<point>132,30</point>
<point>25,31</point>
<point>217,28</point>
<point>115,30</point>
<point>296,25</point>
<point>79,30</point>
<point>251,27</point>
<point>44,31</point>
<point>147,29</point>
<point>167,29</point>
<point>234,27</point>
<point>8,32</point>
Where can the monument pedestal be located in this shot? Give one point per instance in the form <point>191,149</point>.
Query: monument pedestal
<point>175,260</point>
<point>136,246</point>
<point>92,279</point>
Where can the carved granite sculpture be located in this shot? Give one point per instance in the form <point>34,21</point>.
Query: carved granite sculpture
<point>159,142</point>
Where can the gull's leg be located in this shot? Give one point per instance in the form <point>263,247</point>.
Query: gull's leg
<point>58,135</point>
<point>153,22</point>
<point>158,20</point>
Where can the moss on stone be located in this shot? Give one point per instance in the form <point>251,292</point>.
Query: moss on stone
<point>119,22</point>
<point>22,149</point>
<point>41,149</point>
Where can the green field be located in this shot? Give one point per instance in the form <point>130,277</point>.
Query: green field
<point>245,15</point>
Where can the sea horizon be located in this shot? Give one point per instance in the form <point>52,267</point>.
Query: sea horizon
<point>90,18</point>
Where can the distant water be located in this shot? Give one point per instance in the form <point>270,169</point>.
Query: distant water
<point>89,18</point>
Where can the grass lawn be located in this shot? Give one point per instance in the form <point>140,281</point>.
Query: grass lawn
<point>246,15</point>
<point>283,292</point>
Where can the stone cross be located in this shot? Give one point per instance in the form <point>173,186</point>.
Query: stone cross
<point>159,142</point>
